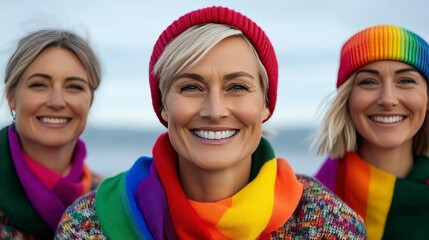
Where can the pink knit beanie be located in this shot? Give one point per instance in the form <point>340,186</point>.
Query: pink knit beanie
<point>221,15</point>
<point>383,42</point>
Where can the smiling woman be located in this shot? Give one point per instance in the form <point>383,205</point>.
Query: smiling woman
<point>377,132</point>
<point>213,77</point>
<point>50,82</point>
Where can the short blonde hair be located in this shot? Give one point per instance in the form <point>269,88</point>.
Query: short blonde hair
<point>190,47</point>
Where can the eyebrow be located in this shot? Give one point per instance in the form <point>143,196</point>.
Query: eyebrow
<point>72,78</point>
<point>237,74</point>
<point>373,71</point>
<point>226,77</point>
<point>189,75</point>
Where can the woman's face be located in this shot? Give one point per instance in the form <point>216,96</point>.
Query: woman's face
<point>388,104</point>
<point>215,109</point>
<point>52,100</point>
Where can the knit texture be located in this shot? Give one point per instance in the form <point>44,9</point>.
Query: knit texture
<point>219,15</point>
<point>319,215</point>
<point>383,42</point>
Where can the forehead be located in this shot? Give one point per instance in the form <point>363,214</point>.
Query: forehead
<point>57,60</point>
<point>390,64</point>
<point>232,52</point>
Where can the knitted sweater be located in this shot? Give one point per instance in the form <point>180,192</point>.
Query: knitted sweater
<point>319,215</point>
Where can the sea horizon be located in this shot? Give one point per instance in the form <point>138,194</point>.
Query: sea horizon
<point>111,151</point>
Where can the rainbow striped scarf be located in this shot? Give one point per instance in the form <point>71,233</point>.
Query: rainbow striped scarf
<point>392,208</point>
<point>27,202</point>
<point>148,202</point>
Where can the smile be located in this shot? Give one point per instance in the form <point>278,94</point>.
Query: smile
<point>214,135</point>
<point>54,120</point>
<point>389,119</point>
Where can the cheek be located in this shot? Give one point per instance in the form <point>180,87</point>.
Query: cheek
<point>251,111</point>
<point>81,106</point>
<point>178,110</point>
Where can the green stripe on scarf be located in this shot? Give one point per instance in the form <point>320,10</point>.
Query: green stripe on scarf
<point>409,207</point>
<point>111,201</point>
<point>13,200</point>
<point>263,153</point>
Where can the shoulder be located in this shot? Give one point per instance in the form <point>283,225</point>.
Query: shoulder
<point>80,220</point>
<point>322,214</point>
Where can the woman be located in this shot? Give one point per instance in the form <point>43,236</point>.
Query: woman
<point>213,78</point>
<point>49,84</point>
<point>376,132</point>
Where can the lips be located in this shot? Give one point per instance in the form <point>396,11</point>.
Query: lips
<point>54,120</point>
<point>215,135</point>
<point>387,119</point>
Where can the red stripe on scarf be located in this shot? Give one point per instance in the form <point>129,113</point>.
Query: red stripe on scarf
<point>185,219</point>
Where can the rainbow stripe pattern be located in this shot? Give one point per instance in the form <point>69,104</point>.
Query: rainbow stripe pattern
<point>148,202</point>
<point>392,208</point>
<point>383,42</point>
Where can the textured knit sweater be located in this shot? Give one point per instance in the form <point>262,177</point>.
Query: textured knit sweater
<point>319,215</point>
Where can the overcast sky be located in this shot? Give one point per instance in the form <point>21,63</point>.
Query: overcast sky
<point>307,36</point>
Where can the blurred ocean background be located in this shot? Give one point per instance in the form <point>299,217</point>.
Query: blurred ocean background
<point>112,151</point>
<point>307,36</point>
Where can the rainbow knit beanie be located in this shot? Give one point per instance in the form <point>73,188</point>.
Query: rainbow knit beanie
<point>383,42</point>
<point>221,15</point>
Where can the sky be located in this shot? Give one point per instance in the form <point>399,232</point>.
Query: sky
<point>307,37</point>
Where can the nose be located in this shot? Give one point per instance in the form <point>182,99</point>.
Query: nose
<point>56,99</point>
<point>214,106</point>
<point>388,97</point>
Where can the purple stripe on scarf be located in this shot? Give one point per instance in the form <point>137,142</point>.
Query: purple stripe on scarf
<point>153,205</point>
<point>327,174</point>
<point>49,204</point>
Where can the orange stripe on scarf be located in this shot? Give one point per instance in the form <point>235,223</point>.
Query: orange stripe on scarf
<point>349,177</point>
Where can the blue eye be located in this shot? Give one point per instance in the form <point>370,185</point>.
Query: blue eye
<point>190,88</point>
<point>239,86</point>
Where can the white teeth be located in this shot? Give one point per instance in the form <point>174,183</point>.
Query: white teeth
<point>54,120</point>
<point>392,119</point>
<point>215,135</point>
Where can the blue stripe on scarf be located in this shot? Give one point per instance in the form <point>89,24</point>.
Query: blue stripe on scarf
<point>139,171</point>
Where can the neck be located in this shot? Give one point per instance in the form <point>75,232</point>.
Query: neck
<point>213,185</point>
<point>54,158</point>
<point>397,161</point>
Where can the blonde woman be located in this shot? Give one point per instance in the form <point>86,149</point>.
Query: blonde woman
<point>49,85</point>
<point>376,132</point>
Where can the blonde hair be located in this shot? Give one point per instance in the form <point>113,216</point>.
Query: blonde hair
<point>187,49</point>
<point>337,134</point>
<point>33,44</point>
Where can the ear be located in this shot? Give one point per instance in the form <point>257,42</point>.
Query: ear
<point>11,102</point>
<point>164,114</point>
<point>265,113</point>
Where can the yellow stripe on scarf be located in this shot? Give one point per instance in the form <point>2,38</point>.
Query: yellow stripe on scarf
<point>379,199</point>
<point>252,207</point>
